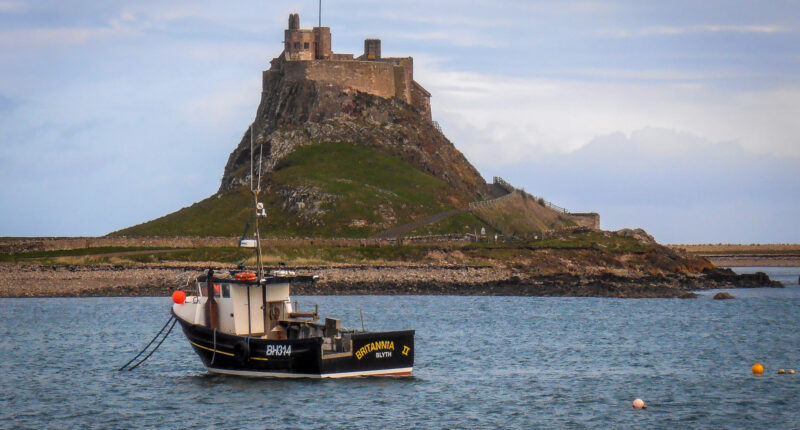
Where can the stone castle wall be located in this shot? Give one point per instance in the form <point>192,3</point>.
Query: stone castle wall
<point>421,99</point>
<point>384,78</point>
<point>371,77</point>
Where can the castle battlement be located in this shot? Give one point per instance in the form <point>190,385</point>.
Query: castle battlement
<point>307,55</point>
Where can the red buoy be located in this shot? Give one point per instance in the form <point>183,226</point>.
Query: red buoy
<point>179,297</point>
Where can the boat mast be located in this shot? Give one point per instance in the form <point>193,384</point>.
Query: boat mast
<point>256,189</point>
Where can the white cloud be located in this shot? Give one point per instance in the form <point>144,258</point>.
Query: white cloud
<point>12,6</point>
<point>451,37</point>
<point>677,185</point>
<point>668,30</point>
<point>44,37</point>
<point>445,20</point>
<point>222,105</point>
<point>503,120</point>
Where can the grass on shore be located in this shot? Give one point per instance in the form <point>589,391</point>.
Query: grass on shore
<point>460,223</point>
<point>40,255</point>
<point>315,254</point>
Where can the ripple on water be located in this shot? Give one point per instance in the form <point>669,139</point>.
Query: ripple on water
<point>481,362</point>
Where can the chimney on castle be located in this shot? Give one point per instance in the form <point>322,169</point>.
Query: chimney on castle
<point>372,49</point>
<point>294,21</point>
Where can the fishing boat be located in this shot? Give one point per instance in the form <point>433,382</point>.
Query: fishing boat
<point>244,323</point>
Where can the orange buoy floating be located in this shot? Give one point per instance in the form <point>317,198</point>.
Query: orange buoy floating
<point>791,371</point>
<point>757,369</point>
<point>781,371</point>
<point>639,404</point>
<point>179,297</point>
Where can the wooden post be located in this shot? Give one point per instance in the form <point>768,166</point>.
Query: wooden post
<point>212,310</point>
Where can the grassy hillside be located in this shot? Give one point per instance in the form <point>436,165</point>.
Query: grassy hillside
<point>461,223</point>
<point>520,215</point>
<point>322,190</point>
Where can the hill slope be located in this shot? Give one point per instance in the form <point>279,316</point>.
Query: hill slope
<point>324,189</point>
<point>336,163</point>
<point>519,214</point>
<point>294,114</point>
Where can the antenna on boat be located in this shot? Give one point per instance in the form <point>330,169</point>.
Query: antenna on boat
<point>251,157</point>
<point>260,155</point>
<point>260,212</point>
<point>258,206</point>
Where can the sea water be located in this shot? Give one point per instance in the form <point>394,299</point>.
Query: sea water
<point>507,362</point>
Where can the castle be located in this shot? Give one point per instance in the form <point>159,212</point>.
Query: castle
<point>307,55</point>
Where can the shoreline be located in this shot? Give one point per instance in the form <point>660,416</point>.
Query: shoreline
<point>754,260</point>
<point>30,280</point>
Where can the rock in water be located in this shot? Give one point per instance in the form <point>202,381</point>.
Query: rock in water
<point>723,296</point>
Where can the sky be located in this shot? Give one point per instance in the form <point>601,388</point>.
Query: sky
<point>679,117</point>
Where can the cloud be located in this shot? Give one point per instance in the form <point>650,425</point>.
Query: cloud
<point>43,37</point>
<point>667,30</point>
<point>502,119</point>
<point>450,37</point>
<point>7,104</point>
<point>679,186</point>
<point>445,20</point>
<point>12,6</point>
<point>222,105</point>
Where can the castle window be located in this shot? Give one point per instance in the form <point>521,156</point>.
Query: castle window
<point>305,45</point>
<point>296,45</point>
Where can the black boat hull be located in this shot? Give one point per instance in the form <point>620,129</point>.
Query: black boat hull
<point>371,354</point>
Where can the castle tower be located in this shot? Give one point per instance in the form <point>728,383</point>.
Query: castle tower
<point>294,21</point>
<point>322,43</point>
<point>304,44</point>
<point>372,49</point>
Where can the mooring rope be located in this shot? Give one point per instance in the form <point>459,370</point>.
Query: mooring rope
<point>214,354</point>
<point>171,319</point>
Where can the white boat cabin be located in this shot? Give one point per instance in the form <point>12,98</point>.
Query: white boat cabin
<point>244,309</point>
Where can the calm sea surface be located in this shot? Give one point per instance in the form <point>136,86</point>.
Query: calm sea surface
<point>513,362</point>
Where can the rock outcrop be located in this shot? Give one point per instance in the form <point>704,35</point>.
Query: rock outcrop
<point>293,114</point>
<point>747,280</point>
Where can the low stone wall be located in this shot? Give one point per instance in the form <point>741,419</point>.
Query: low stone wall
<point>590,219</point>
<point>492,202</point>
<point>64,243</point>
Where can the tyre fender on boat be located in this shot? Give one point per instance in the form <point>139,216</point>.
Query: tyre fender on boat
<point>241,351</point>
<point>274,313</point>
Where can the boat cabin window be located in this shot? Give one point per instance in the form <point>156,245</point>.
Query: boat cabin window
<point>220,290</point>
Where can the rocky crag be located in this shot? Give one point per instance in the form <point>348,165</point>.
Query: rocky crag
<point>294,113</point>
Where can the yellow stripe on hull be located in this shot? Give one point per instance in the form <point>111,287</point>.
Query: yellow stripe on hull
<point>211,349</point>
